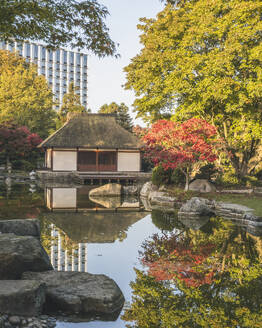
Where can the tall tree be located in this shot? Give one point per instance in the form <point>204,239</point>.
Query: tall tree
<point>183,146</point>
<point>25,99</point>
<point>58,23</point>
<point>71,103</point>
<point>121,111</point>
<point>203,58</point>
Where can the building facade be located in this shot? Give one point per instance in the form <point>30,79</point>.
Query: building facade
<point>92,143</point>
<point>60,67</point>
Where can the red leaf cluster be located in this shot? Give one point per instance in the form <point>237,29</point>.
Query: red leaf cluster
<point>16,140</point>
<point>174,144</point>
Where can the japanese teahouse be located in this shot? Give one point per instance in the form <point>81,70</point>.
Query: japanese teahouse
<point>92,143</point>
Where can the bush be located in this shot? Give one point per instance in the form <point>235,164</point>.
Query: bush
<point>207,171</point>
<point>161,176</point>
<point>227,179</point>
<point>259,175</point>
<point>178,178</point>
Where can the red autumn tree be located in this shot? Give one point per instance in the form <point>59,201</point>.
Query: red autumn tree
<point>16,141</point>
<point>181,145</point>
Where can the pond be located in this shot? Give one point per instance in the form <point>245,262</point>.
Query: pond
<point>171,274</point>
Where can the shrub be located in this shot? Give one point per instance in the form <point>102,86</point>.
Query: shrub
<point>161,176</point>
<point>207,171</point>
<point>178,178</point>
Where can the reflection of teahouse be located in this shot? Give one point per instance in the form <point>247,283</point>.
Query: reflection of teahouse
<point>92,143</point>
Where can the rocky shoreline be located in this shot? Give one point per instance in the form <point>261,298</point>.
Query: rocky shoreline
<point>154,198</point>
<point>10,321</point>
<point>32,293</point>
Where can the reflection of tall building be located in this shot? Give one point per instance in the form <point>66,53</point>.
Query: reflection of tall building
<point>62,259</point>
<point>60,67</point>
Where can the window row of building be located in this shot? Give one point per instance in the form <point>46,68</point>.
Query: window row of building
<point>60,67</point>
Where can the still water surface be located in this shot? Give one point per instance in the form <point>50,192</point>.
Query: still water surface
<point>205,277</point>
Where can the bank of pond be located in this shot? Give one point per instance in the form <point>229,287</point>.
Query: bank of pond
<point>173,268</point>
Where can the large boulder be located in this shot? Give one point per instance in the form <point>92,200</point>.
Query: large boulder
<point>19,254</point>
<point>161,199</point>
<point>196,207</point>
<point>22,297</point>
<point>79,292</point>
<point>147,188</point>
<point>29,227</point>
<point>202,185</point>
<point>110,189</point>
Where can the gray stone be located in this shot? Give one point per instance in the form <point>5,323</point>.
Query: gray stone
<point>202,185</point>
<point>195,223</point>
<point>21,297</point>
<point>110,189</point>
<point>195,207</point>
<point>19,254</point>
<point>147,188</point>
<point>130,190</point>
<point>161,199</point>
<point>79,292</point>
<point>29,227</point>
<point>14,320</point>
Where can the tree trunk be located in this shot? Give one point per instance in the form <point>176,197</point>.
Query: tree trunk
<point>8,165</point>
<point>187,180</point>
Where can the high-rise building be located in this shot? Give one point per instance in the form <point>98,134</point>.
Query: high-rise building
<point>60,67</point>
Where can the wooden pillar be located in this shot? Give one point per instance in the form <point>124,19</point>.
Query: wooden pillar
<point>77,150</point>
<point>97,159</point>
<point>116,159</point>
<point>52,159</point>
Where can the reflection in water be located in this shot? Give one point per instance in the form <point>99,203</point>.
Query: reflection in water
<point>210,277</point>
<point>66,257</point>
<point>79,199</point>
<point>68,234</point>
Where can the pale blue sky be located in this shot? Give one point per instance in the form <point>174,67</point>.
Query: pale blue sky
<point>106,75</point>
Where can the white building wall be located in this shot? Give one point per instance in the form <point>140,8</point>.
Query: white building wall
<point>64,160</point>
<point>64,198</point>
<point>48,158</point>
<point>128,161</point>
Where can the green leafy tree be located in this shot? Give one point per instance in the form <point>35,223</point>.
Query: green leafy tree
<point>122,116</point>
<point>203,58</point>
<point>71,104</point>
<point>25,98</point>
<point>58,23</point>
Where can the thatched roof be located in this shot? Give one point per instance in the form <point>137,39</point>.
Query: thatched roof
<point>92,131</point>
<point>95,227</point>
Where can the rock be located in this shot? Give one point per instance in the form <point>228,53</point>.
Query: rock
<point>130,190</point>
<point>145,202</point>
<point>107,202</point>
<point>21,297</point>
<point>161,199</point>
<point>79,292</point>
<point>196,207</point>
<point>202,185</point>
<point>195,224</point>
<point>28,227</point>
<point>19,254</point>
<point>147,188</point>
<point>110,189</point>
<point>14,320</point>
<point>237,191</point>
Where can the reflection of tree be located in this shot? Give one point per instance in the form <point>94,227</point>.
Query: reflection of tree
<point>165,221</point>
<point>20,203</point>
<point>197,279</point>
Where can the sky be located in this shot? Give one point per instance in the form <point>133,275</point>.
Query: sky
<point>106,76</point>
